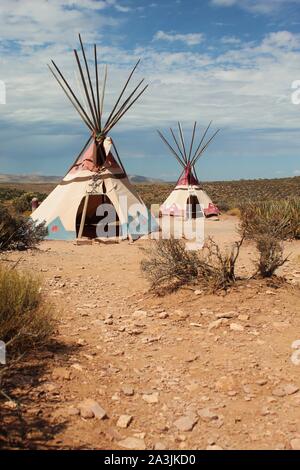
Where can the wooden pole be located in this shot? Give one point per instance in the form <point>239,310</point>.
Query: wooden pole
<point>86,90</point>
<point>82,112</point>
<point>171,148</point>
<point>192,141</point>
<point>122,92</point>
<point>97,86</point>
<point>83,216</point>
<point>174,137</point>
<point>89,80</point>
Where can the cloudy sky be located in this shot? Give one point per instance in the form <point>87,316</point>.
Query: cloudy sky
<point>230,61</point>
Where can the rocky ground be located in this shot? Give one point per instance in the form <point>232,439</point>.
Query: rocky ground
<point>128,370</point>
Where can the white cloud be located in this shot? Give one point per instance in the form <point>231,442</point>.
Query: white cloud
<point>256,6</point>
<point>190,39</point>
<point>245,87</point>
<point>230,40</point>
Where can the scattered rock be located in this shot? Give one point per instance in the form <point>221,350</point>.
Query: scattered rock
<point>163,315</point>
<point>226,315</point>
<point>295,444</point>
<point>226,384</point>
<point>61,373</point>
<point>89,408</point>
<point>186,423</point>
<point>132,443</point>
<point>207,415</point>
<point>296,344</point>
<point>151,397</point>
<point>72,411</point>
<point>159,446</point>
<point>198,292</point>
<point>216,323</point>
<point>236,327</point>
<point>127,390</point>
<point>243,317</point>
<point>283,390</point>
<point>124,421</point>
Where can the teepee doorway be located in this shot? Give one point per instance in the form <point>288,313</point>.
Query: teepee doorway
<point>193,208</point>
<point>92,223</point>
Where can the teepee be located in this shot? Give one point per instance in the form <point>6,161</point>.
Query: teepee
<point>188,199</point>
<point>95,199</point>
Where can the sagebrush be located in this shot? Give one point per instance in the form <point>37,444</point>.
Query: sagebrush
<point>18,232</point>
<point>169,265</point>
<point>26,320</point>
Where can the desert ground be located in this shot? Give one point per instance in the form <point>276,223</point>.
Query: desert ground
<point>187,370</point>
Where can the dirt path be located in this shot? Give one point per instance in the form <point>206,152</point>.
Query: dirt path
<point>192,371</point>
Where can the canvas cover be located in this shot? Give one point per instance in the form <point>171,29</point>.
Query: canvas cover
<point>60,209</point>
<point>187,186</point>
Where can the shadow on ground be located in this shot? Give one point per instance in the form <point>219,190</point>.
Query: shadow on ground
<point>24,405</point>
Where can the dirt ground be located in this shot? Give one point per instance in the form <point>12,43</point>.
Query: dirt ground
<point>188,370</point>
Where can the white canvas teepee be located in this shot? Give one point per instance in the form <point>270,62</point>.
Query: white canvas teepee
<point>188,199</point>
<point>95,198</point>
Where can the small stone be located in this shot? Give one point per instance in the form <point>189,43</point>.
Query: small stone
<point>191,357</point>
<point>72,411</point>
<point>283,390</point>
<point>290,389</point>
<point>295,444</point>
<point>243,317</point>
<point>226,384</point>
<point>186,423</point>
<point>261,382</point>
<point>77,366</point>
<point>159,446</point>
<point>226,315</point>
<point>151,397</point>
<point>61,373</point>
<point>132,443</point>
<point>91,409</point>
<point>214,447</point>
<point>124,421</point>
<point>163,315</point>
<point>215,324</point>
<point>198,292</point>
<point>127,390</point>
<point>81,342</point>
<point>207,415</point>
<point>236,327</point>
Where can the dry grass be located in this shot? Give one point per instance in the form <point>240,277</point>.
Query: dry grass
<point>270,255</point>
<point>169,266</point>
<point>25,318</point>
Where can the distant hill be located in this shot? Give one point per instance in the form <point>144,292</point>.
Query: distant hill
<point>40,179</point>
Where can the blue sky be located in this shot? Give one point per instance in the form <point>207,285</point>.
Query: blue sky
<point>232,61</point>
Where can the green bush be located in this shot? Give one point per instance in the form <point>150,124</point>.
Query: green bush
<point>23,202</point>
<point>18,232</point>
<point>25,319</point>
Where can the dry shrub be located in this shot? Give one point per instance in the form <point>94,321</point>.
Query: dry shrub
<point>217,267</point>
<point>169,266</point>
<point>268,224</point>
<point>25,319</point>
<point>18,232</point>
<point>270,255</point>
<point>267,217</point>
<point>235,212</point>
<point>293,208</point>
